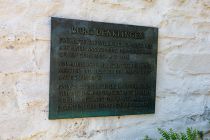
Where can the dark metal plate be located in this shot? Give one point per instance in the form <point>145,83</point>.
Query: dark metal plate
<point>101,69</point>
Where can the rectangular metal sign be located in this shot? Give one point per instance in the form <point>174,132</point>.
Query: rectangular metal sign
<point>101,69</point>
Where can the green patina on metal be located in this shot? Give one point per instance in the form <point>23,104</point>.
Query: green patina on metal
<point>101,69</point>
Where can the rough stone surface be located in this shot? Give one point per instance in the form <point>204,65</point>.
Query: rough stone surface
<point>183,78</point>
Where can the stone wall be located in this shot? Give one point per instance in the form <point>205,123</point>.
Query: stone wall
<point>183,77</point>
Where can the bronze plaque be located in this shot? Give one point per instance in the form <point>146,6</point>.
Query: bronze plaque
<point>101,69</point>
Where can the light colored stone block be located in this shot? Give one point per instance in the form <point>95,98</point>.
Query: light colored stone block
<point>193,64</point>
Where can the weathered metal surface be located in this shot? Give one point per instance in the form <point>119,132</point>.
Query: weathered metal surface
<point>101,69</point>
